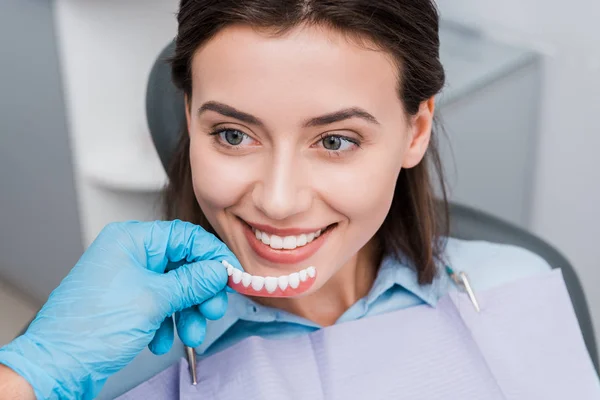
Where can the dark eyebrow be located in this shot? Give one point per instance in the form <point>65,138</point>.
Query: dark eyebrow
<point>231,112</point>
<point>341,115</point>
<point>337,116</point>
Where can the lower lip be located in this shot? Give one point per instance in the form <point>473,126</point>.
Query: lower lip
<point>284,256</point>
<point>288,292</point>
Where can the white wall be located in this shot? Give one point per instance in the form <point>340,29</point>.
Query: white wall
<point>567,185</point>
<point>40,238</point>
<point>107,49</point>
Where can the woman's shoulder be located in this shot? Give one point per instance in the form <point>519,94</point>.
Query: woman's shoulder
<point>490,264</point>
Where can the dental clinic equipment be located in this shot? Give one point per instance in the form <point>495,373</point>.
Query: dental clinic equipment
<point>282,286</point>
<point>191,359</point>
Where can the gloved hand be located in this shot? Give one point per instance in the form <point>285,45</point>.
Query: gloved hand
<point>118,299</point>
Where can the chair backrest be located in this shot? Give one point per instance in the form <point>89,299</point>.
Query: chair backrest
<point>166,116</point>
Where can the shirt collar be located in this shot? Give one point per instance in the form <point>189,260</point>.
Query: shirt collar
<point>392,272</point>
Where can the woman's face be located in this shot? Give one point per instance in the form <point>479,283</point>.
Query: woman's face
<point>301,137</point>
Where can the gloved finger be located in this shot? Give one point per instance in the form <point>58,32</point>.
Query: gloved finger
<point>174,241</point>
<point>163,338</point>
<point>192,284</point>
<point>191,326</point>
<point>215,307</point>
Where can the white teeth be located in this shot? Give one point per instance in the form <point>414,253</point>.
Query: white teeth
<point>237,275</point>
<point>265,238</point>
<point>294,280</point>
<point>303,275</point>
<point>301,240</point>
<point>246,279</point>
<point>289,242</point>
<point>270,284</point>
<point>276,242</point>
<point>283,281</point>
<point>286,242</point>
<point>258,282</point>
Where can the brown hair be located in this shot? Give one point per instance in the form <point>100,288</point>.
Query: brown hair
<point>408,30</point>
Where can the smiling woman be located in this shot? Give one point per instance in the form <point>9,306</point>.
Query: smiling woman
<point>309,141</point>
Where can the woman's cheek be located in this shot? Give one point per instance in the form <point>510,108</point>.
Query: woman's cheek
<point>219,181</point>
<point>363,193</point>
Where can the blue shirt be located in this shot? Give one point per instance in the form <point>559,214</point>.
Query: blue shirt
<point>395,287</point>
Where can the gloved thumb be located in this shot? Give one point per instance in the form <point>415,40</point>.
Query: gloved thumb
<point>194,283</point>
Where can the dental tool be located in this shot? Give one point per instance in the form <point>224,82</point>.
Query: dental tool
<point>191,358</point>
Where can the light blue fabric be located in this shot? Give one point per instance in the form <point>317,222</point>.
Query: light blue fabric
<point>395,288</point>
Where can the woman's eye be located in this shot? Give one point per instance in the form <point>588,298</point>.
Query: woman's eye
<point>232,137</point>
<point>337,143</point>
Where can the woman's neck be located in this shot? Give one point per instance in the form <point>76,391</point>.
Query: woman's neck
<point>351,283</point>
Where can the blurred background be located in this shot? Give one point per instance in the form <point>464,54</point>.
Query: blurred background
<point>520,110</point>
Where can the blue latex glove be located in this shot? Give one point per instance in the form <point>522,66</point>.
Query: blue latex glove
<point>119,299</point>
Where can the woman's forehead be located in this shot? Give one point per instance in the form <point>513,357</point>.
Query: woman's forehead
<point>306,64</point>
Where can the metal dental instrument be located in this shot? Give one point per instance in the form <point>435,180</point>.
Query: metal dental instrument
<point>462,280</point>
<point>191,358</point>
<point>190,354</point>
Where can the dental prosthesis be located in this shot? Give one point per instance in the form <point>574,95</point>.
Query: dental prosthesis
<point>270,286</point>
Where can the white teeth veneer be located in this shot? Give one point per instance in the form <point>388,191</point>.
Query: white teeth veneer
<point>310,237</point>
<point>246,279</point>
<point>303,275</point>
<point>237,275</point>
<point>257,234</point>
<point>270,284</point>
<point>283,282</point>
<point>294,280</point>
<point>283,286</point>
<point>258,282</point>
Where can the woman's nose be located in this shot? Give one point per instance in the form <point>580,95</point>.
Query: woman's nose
<point>282,191</point>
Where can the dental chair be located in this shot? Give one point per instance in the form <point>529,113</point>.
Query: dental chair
<point>165,114</point>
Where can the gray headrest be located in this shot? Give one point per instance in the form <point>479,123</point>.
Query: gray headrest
<point>165,107</point>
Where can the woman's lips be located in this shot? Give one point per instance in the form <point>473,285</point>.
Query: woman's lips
<point>283,256</point>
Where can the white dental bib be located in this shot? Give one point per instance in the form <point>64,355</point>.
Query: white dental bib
<point>525,344</point>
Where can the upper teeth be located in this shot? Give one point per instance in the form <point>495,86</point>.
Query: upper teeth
<point>269,283</point>
<point>286,242</point>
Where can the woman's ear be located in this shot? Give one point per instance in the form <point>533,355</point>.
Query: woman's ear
<point>420,134</point>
